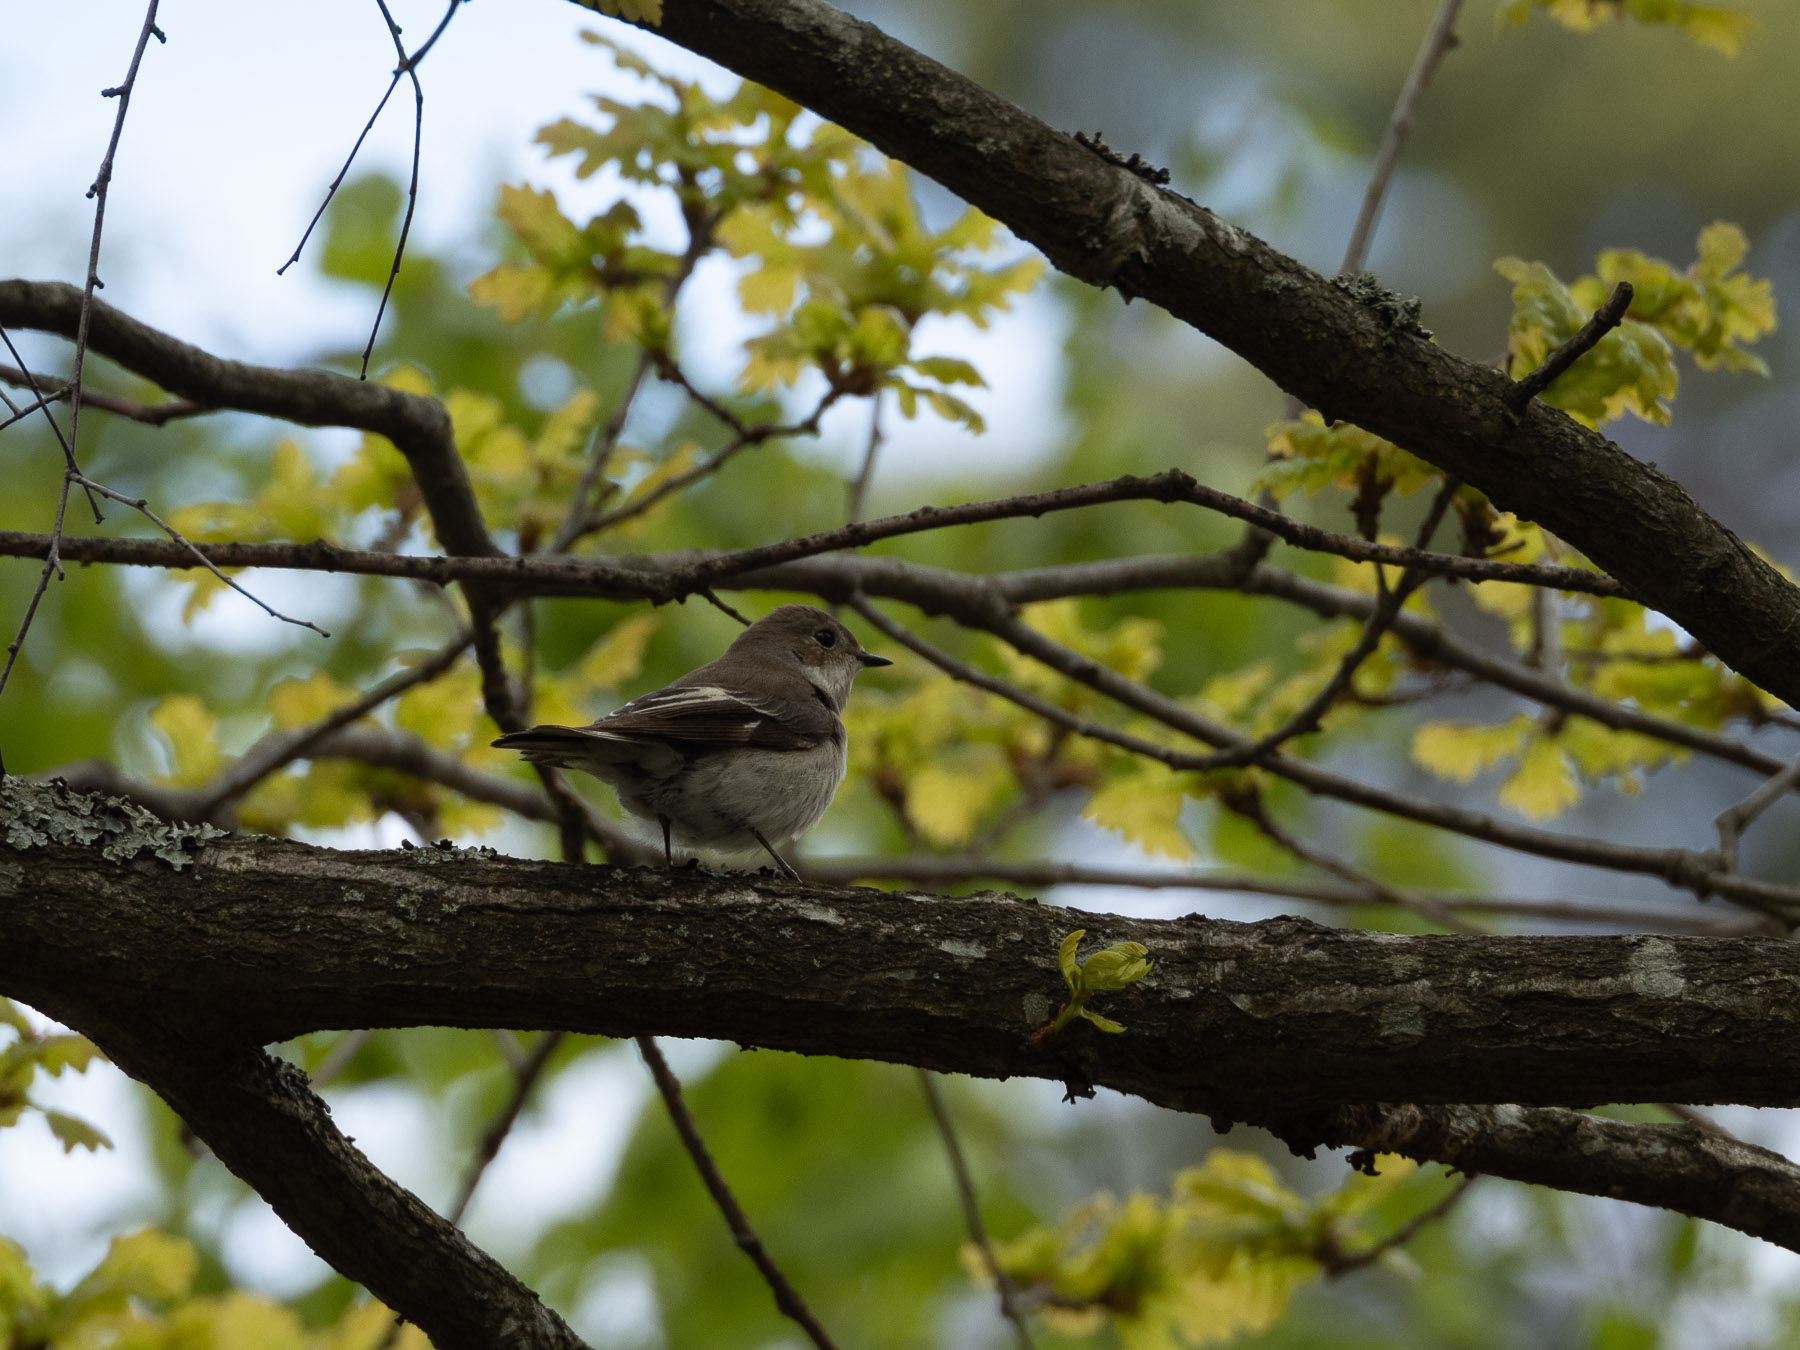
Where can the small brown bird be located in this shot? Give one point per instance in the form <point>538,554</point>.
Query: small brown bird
<point>747,750</point>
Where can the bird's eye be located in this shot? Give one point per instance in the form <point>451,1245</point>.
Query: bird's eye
<point>825,638</point>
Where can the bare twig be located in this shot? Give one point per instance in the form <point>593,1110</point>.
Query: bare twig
<point>283,748</point>
<point>859,486</point>
<point>1252,808</point>
<point>142,506</point>
<point>1336,1261</point>
<point>743,438</point>
<point>1732,823</point>
<point>786,1298</point>
<point>526,1074</point>
<point>410,65</point>
<point>1306,718</point>
<point>971,1207</point>
<point>1440,41</point>
<point>406,66</point>
<point>1169,486</point>
<point>1603,320</point>
<point>152,414</point>
<point>341,1055</point>
<point>723,608</point>
<point>1683,1112</point>
<point>98,190</point>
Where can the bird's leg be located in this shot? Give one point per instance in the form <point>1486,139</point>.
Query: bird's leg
<point>780,861</point>
<point>668,853</point>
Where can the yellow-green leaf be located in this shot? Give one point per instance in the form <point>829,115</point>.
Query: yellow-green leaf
<point>1144,805</point>
<point>1461,750</point>
<point>296,702</point>
<point>145,1264</point>
<point>618,656</point>
<point>72,1132</point>
<point>1542,785</point>
<point>192,733</point>
<point>1065,958</point>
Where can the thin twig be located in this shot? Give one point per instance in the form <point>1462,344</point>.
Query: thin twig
<point>1699,1119</point>
<point>97,191</point>
<point>336,183</point>
<point>1170,486</point>
<point>1305,720</point>
<point>1440,41</point>
<point>1337,1262</point>
<point>718,604</point>
<point>410,65</point>
<point>744,437</point>
<point>276,751</point>
<point>52,568</point>
<point>1252,808</point>
<point>525,1078</point>
<point>1603,320</point>
<point>142,506</point>
<point>786,1298</point>
<point>971,1207</point>
<point>151,414</point>
<point>342,1053</point>
<point>1732,823</point>
<point>859,486</point>
<point>606,442</point>
<point>580,519</point>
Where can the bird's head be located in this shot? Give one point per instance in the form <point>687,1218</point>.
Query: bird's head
<point>802,636</point>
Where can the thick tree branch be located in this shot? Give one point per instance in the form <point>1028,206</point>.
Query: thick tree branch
<point>1346,349</point>
<point>418,427</point>
<point>262,1120</point>
<point>1283,1023</point>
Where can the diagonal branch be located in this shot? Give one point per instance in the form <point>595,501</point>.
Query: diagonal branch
<point>258,1115</point>
<point>1345,350</point>
<point>418,427</point>
<point>787,1298</point>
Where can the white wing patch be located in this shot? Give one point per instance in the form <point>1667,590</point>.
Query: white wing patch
<point>699,696</point>
<point>698,703</point>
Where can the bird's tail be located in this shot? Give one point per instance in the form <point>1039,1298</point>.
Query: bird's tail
<point>562,747</point>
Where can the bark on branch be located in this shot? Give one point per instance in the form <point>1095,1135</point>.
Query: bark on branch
<point>114,920</point>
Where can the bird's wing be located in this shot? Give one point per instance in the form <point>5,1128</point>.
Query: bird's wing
<point>703,715</point>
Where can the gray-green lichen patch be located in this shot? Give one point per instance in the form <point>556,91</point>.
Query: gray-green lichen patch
<point>38,815</point>
<point>1397,312</point>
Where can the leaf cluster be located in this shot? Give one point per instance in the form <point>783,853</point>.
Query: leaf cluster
<point>30,1052</point>
<point>1221,1256</point>
<point>141,1296</point>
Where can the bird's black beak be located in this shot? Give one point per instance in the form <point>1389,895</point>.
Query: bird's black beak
<point>870,659</point>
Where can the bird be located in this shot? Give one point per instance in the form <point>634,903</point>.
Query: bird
<point>745,751</point>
